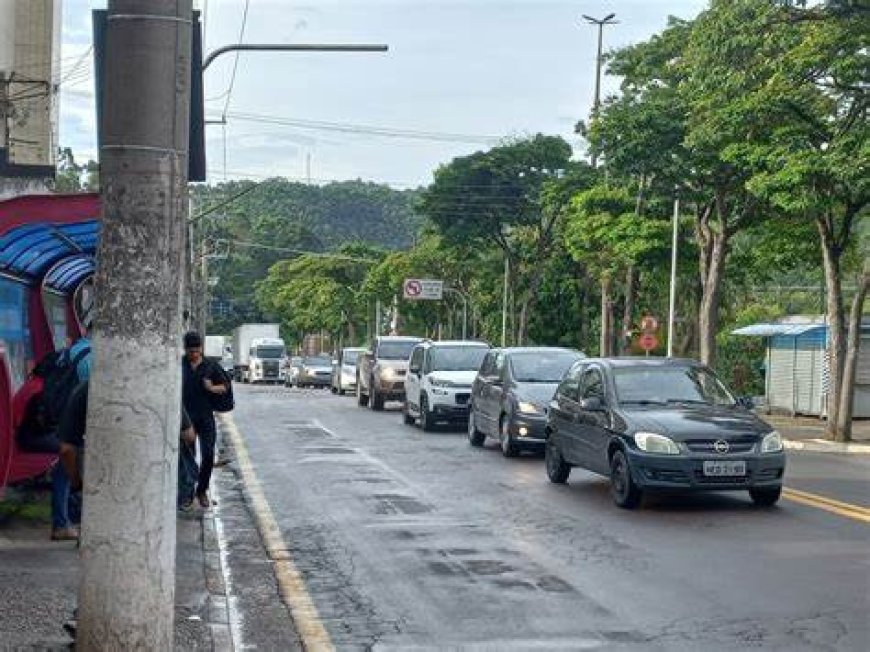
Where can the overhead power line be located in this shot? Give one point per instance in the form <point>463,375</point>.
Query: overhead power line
<point>364,130</point>
<point>236,61</point>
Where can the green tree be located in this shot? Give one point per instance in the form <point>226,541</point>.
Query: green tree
<point>494,198</point>
<point>784,100</point>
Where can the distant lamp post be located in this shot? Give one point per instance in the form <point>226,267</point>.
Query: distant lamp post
<point>601,22</point>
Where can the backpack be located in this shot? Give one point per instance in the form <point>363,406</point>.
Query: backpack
<point>59,373</point>
<point>222,402</point>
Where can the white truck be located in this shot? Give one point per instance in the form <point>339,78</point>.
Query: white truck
<point>220,349</point>
<point>258,354</point>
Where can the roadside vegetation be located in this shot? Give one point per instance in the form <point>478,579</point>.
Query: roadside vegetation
<point>753,116</point>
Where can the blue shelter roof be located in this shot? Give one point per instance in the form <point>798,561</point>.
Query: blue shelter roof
<point>62,254</point>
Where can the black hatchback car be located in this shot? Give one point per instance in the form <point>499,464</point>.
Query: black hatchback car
<point>510,395</point>
<point>657,424</point>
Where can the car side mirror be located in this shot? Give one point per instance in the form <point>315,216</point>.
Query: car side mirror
<point>593,404</point>
<point>745,402</point>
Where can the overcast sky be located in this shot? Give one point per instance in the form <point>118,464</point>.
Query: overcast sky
<point>460,73</point>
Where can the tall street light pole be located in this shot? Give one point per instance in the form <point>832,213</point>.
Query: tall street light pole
<point>600,22</point>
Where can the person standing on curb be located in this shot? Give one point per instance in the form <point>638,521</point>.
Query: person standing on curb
<point>200,378</point>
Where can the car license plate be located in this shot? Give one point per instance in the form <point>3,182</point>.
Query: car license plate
<point>720,469</point>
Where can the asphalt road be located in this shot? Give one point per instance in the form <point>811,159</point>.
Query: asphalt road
<point>408,540</point>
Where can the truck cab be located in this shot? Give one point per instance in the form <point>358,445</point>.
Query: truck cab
<point>381,371</point>
<point>266,361</point>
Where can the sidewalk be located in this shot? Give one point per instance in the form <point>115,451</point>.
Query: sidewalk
<point>39,581</point>
<point>808,434</point>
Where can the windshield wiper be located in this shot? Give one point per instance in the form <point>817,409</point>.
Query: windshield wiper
<point>643,401</point>
<point>691,401</point>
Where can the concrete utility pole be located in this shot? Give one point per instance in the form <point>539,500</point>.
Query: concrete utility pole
<point>596,103</point>
<point>126,599</point>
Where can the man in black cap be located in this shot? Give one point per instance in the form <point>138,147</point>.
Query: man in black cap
<point>200,378</point>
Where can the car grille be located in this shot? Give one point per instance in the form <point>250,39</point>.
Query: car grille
<point>666,475</point>
<point>700,478</point>
<point>740,445</point>
<point>462,399</point>
<point>270,368</point>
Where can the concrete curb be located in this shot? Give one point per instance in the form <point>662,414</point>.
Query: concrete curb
<point>826,446</point>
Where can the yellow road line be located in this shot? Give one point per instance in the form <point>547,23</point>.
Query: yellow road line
<point>290,582</point>
<point>855,512</point>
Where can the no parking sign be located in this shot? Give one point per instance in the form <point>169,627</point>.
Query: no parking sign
<point>423,288</point>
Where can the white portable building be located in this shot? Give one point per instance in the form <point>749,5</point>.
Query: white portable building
<point>797,366</point>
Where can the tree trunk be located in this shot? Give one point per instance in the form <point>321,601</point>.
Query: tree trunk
<point>850,367</point>
<point>529,302</point>
<point>127,589</point>
<point>606,345</point>
<point>713,248</point>
<point>351,333</point>
<point>836,322</point>
<point>582,296</point>
<point>628,310</point>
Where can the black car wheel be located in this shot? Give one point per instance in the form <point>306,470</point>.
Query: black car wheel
<point>377,399</point>
<point>361,399</point>
<point>625,492</point>
<point>475,437</point>
<point>558,469</point>
<point>765,497</point>
<point>406,416</point>
<point>508,446</point>
<point>426,422</point>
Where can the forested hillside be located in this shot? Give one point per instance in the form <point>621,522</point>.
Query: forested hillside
<point>256,229</point>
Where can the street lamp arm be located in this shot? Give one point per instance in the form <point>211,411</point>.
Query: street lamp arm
<point>284,47</point>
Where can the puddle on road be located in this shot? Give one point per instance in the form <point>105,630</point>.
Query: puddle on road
<point>399,504</point>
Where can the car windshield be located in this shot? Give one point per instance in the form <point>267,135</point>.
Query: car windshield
<point>270,352</point>
<point>541,366</point>
<point>396,350</point>
<point>351,357</point>
<point>670,385</point>
<point>456,358</point>
<point>317,361</point>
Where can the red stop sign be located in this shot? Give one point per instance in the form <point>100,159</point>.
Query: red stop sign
<point>648,341</point>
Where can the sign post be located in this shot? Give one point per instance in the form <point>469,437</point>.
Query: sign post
<point>648,340</point>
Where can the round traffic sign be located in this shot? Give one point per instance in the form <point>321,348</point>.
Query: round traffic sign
<point>413,288</point>
<point>649,323</point>
<point>648,341</point>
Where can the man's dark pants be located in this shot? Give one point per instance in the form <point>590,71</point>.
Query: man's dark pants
<point>207,434</point>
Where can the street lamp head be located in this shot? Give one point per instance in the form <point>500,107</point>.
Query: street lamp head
<point>607,20</point>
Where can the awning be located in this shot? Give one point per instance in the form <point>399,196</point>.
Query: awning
<point>50,238</point>
<point>770,330</point>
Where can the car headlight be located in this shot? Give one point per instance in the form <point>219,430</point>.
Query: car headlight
<point>388,373</point>
<point>527,407</point>
<point>652,442</point>
<point>772,443</point>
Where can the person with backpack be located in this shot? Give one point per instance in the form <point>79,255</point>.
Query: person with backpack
<point>205,386</point>
<point>59,373</point>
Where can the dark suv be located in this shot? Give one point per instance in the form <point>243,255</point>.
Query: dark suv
<point>655,424</point>
<point>510,395</point>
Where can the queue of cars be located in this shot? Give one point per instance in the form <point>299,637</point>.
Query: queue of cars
<point>648,424</point>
